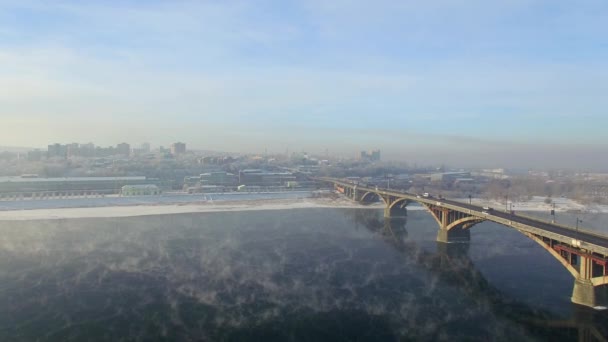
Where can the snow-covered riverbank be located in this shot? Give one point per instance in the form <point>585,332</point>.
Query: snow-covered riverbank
<point>148,206</point>
<point>179,208</point>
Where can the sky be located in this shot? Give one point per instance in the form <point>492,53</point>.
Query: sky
<point>518,83</point>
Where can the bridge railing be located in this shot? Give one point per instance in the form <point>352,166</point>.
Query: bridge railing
<point>573,229</point>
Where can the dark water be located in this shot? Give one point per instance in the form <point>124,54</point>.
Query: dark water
<point>287,275</point>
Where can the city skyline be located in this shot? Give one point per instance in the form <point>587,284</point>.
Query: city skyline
<point>473,84</point>
<point>530,157</point>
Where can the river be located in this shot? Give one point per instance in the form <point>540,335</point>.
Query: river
<point>303,274</point>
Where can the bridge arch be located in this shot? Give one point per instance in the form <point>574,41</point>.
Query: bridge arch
<point>465,222</point>
<point>451,220</point>
<point>554,253</point>
<point>433,214</point>
<point>400,202</point>
<point>369,196</point>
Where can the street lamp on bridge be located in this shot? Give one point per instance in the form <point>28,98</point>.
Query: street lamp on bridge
<point>577,222</point>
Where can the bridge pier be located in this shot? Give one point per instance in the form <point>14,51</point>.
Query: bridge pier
<point>453,235</point>
<point>453,225</point>
<point>584,293</point>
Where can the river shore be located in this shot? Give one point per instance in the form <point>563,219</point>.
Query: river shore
<point>242,204</point>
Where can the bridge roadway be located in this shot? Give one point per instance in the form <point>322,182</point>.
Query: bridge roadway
<point>591,241</point>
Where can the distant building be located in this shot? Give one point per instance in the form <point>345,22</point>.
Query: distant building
<point>140,190</point>
<point>190,181</point>
<point>142,150</point>
<point>178,148</point>
<point>265,178</point>
<point>491,173</point>
<point>218,178</point>
<point>464,183</point>
<point>215,160</point>
<point>375,156</point>
<point>372,156</point>
<point>308,168</point>
<point>57,151</point>
<point>104,151</point>
<point>449,177</point>
<point>98,184</point>
<point>73,150</point>
<point>87,150</point>
<point>145,148</point>
<point>123,149</point>
<point>35,155</point>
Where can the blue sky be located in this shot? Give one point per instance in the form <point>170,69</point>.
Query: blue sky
<point>420,80</point>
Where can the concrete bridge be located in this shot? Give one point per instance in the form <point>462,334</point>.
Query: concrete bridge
<point>583,253</point>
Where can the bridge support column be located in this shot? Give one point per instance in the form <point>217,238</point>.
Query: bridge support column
<point>584,293</point>
<point>395,212</point>
<point>453,235</point>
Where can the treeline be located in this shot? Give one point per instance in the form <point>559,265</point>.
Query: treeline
<point>523,188</point>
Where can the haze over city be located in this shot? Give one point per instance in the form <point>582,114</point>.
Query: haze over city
<point>476,83</point>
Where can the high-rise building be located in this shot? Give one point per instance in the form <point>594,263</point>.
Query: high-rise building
<point>124,149</point>
<point>375,156</point>
<point>143,149</point>
<point>73,150</point>
<point>57,151</point>
<point>87,150</point>
<point>178,148</point>
<point>35,155</point>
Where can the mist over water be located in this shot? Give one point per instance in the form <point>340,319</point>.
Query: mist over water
<point>306,274</point>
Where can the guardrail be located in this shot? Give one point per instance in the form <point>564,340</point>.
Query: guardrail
<point>573,229</point>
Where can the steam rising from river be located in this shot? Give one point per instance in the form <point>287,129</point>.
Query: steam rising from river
<point>231,271</point>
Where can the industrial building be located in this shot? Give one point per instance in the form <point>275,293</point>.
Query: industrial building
<point>265,178</point>
<point>33,184</point>
<point>449,177</point>
<point>140,190</point>
<point>218,178</point>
